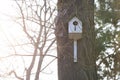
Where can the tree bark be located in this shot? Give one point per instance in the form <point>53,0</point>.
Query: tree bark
<point>85,68</point>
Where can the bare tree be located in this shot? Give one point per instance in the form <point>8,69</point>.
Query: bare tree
<point>37,21</point>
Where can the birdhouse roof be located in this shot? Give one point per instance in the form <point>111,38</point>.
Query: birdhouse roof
<point>74,19</point>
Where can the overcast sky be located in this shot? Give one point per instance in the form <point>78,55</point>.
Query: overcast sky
<point>10,31</point>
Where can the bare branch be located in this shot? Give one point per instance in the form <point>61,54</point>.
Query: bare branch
<point>15,75</point>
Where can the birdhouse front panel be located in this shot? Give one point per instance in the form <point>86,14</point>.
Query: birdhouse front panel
<point>75,26</point>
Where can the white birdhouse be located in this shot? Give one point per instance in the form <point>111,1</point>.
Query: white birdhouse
<point>75,33</point>
<point>75,28</point>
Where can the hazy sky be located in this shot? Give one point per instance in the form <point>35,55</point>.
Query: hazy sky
<point>10,31</point>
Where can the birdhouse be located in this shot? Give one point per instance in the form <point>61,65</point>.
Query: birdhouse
<point>75,33</point>
<point>75,28</point>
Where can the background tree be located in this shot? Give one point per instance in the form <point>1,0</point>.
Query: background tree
<point>38,14</point>
<point>85,68</point>
<point>107,16</point>
<point>36,18</point>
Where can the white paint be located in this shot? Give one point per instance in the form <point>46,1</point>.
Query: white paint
<point>75,50</point>
<point>71,26</point>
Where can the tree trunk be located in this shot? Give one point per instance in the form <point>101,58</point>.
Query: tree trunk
<point>85,68</point>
